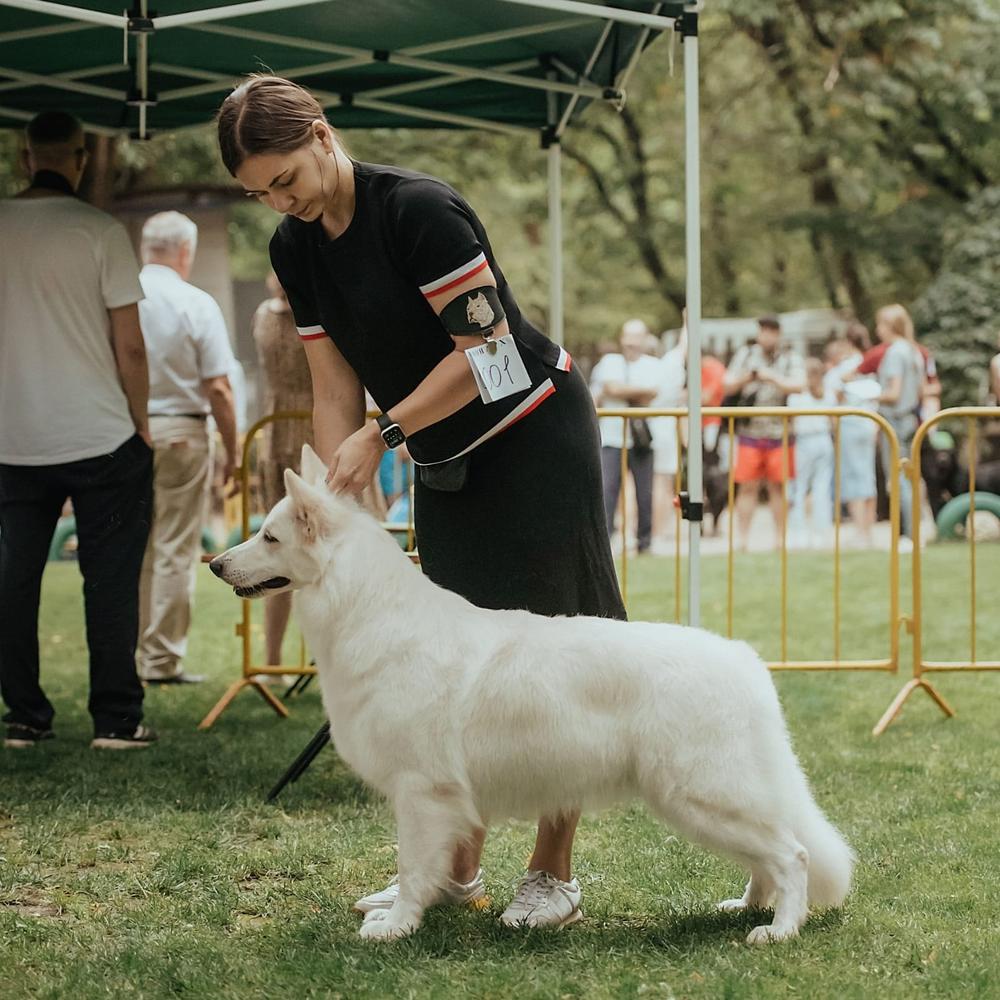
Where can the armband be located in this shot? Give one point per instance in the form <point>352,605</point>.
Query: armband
<point>475,311</point>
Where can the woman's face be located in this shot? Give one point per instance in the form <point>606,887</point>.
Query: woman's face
<point>296,183</point>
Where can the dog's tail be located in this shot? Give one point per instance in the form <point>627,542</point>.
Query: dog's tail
<point>831,860</point>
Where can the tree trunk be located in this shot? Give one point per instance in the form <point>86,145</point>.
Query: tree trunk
<point>99,181</point>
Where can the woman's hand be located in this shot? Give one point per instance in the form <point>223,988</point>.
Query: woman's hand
<point>355,462</point>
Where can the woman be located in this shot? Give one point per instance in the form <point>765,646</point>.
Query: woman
<point>858,435</point>
<point>666,440</point>
<point>901,376</point>
<point>391,279</point>
<point>284,387</point>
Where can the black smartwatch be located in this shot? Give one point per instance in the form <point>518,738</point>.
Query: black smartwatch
<point>392,433</point>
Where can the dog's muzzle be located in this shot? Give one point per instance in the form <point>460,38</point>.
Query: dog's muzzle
<point>218,567</point>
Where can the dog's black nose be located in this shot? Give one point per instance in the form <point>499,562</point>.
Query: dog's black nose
<point>216,565</point>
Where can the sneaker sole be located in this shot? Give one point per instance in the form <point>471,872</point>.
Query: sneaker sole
<point>19,744</point>
<point>576,915</point>
<point>107,743</point>
<point>476,902</point>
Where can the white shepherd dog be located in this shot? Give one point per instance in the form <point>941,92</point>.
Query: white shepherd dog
<point>462,716</point>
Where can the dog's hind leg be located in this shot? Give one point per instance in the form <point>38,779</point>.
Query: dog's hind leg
<point>758,894</point>
<point>431,820</point>
<point>777,861</point>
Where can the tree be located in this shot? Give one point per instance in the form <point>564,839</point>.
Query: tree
<point>958,314</point>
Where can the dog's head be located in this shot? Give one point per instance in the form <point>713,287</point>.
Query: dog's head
<point>295,543</point>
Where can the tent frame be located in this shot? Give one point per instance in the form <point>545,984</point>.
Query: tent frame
<point>558,80</point>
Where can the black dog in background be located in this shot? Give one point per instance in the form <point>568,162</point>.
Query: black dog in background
<point>946,476</point>
<point>716,485</point>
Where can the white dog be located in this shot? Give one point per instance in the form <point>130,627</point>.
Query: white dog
<point>460,716</point>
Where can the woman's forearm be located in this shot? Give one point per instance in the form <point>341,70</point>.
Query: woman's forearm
<point>333,423</point>
<point>448,387</point>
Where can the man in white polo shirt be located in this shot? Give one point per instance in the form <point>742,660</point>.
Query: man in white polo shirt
<point>189,358</point>
<point>73,390</point>
<point>629,379</point>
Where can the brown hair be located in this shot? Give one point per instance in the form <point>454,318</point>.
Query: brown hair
<point>770,322</point>
<point>858,336</point>
<point>265,114</point>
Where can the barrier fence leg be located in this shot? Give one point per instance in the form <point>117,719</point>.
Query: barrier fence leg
<point>897,705</point>
<point>232,691</point>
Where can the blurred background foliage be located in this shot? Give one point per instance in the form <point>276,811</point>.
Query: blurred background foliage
<point>851,157</point>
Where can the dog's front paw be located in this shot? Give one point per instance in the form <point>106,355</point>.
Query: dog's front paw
<point>379,926</point>
<point>732,905</point>
<point>767,933</point>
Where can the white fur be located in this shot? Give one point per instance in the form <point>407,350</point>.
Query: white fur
<point>462,716</point>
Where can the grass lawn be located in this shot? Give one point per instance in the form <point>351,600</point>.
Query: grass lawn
<point>161,873</point>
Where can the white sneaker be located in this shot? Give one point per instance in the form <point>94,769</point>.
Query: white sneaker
<point>453,894</point>
<point>542,900</point>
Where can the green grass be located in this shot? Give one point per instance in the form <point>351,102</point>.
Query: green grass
<point>162,873</point>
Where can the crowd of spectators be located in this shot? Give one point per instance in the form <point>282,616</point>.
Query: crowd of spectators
<point>790,459</point>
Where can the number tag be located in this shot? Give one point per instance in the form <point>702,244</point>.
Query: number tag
<point>498,368</point>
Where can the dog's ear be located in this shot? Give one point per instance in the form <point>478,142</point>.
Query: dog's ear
<point>311,465</point>
<point>309,507</point>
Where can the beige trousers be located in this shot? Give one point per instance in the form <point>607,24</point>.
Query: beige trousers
<point>182,467</point>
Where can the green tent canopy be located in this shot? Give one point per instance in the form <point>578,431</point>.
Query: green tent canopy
<point>505,65</point>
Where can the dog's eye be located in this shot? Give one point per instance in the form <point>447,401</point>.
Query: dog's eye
<point>270,539</point>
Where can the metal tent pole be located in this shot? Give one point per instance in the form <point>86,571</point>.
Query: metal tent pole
<point>692,227</point>
<point>554,154</point>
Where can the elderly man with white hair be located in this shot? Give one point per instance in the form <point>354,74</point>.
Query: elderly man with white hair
<point>189,358</point>
<point>631,378</point>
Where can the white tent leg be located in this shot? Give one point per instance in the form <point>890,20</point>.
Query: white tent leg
<point>556,331</point>
<point>693,295</point>
<point>554,154</point>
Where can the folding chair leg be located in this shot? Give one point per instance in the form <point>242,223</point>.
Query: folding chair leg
<point>301,763</point>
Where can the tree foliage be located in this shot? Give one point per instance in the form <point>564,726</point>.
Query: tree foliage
<point>958,312</point>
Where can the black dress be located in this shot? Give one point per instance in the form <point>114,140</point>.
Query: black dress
<point>522,524</point>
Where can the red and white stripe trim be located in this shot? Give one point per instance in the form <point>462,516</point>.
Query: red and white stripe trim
<point>565,362</point>
<point>311,332</point>
<point>456,277</point>
<point>525,407</point>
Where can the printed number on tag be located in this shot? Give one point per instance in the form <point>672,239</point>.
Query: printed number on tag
<point>499,373</point>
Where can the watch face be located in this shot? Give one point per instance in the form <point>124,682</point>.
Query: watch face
<point>393,436</point>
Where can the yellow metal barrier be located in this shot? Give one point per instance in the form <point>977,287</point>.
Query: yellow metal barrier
<point>254,675</point>
<point>972,416</point>
<point>730,415</point>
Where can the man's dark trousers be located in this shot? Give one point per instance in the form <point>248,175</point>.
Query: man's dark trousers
<point>112,500</point>
<point>640,464</point>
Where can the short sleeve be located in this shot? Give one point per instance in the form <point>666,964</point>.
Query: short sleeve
<point>608,369</point>
<point>215,355</point>
<point>435,236</point>
<point>290,277</point>
<point>119,269</point>
<point>892,364</point>
<point>870,362</point>
<point>739,362</point>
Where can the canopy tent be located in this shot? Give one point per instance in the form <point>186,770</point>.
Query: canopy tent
<point>521,67</point>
